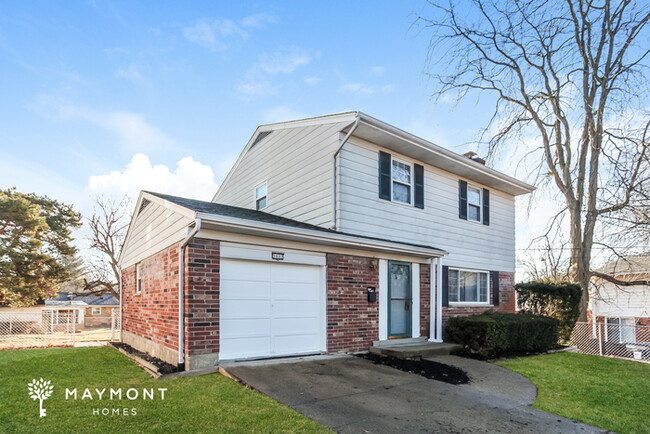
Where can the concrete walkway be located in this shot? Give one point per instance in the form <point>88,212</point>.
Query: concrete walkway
<point>349,394</point>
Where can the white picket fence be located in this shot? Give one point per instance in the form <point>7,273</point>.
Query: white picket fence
<point>627,341</point>
<point>53,328</point>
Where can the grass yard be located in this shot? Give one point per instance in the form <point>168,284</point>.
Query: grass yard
<point>194,404</point>
<point>608,393</point>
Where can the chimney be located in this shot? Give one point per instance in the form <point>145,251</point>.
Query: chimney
<point>473,156</point>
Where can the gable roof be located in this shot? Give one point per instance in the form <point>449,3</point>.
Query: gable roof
<point>386,135</point>
<point>218,209</point>
<point>630,265</point>
<point>72,299</point>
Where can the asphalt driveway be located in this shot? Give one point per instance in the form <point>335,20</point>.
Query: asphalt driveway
<point>349,394</point>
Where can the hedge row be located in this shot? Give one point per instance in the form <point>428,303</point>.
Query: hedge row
<point>492,334</point>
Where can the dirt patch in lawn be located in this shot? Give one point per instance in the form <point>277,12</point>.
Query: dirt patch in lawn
<point>162,367</point>
<point>426,368</point>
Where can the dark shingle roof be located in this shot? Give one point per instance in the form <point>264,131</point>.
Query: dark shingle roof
<point>70,299</point>
<point>259,216</point>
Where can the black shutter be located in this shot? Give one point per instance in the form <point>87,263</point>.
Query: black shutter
<point>384,175</point>
<point>419,186</point>
<point>445,286</point>
<point>494,276</point>
<point>486,206</point>
<point>462,200</point>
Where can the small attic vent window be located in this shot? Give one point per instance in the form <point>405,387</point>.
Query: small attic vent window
<point>145,203</point>
<point>261,136</point>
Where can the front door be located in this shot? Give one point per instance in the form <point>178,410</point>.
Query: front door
<point>400,299</point>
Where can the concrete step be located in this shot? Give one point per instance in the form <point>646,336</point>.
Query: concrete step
<point>401,341</point>
<point>416,351</point>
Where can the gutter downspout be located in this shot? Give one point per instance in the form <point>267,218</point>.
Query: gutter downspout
<point>181,293</point>
<point>120,283</point>
<point>334,160</point>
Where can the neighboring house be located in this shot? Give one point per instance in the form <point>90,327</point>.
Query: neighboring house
<point>624,309</point>
<point>92,310</point>
<point>327,235</point>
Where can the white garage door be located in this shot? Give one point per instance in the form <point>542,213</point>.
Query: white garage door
<point>270,309</point>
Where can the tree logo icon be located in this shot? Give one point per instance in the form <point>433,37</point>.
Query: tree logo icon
<point>40,390</point>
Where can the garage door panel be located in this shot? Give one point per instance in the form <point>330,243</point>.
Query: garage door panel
<point>245,328</point>
<point>270,309</point>
<point>295,291</point>
<point>245,289</point>
<point>296,344</point>
<point>249,270</point>
<point>295,309</point>
<point>237,309</point>
<point>240,348</point>
<point>295,326</point>
<point>291,273</point>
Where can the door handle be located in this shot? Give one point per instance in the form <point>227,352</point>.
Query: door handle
<point>406,305</point>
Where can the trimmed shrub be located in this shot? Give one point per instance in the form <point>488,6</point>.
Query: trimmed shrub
<point>559,300</point>
<point>493,334</point>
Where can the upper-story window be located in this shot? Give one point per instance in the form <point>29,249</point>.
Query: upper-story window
<point>473,203</point>
<point>260,196</point>
<point>400,181</point>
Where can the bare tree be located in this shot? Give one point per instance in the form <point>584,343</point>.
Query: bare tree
<point>570,73</point>
<point>544,261</point>
<point>109,225</point>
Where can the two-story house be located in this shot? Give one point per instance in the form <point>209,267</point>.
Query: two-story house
<point>327,235</point>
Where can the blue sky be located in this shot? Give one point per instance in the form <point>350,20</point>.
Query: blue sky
<point>102,97</point>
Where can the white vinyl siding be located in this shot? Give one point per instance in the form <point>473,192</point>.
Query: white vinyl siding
<point>360,211</point>
<point>612,301</point>
<point>297,163</point>
<point>154,229</point>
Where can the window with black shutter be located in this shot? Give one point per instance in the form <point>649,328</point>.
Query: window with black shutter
<point>401,181</point>
<point>462,199</point>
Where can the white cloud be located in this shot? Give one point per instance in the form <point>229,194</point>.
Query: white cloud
<point>312,81</point>
<point>257,81</point>
<point>363,89</point>
<point>258,20</point>
<point>377,70</point>
<point>189,178</point>
<point>283,62</point>
<point>131,128</point>
<point>215,33</point>
<point>282,113</point>
<point>131,72</point>
<point>255,86</point>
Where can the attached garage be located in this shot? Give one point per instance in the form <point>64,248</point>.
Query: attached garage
<point>271,308</point>
<point>204,282</point>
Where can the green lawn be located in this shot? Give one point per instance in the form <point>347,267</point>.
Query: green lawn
<point>608,393</point>
<point>194,404</point>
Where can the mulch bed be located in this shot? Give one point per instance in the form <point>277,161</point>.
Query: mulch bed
<point>161,366</point>
<point>426,368</point>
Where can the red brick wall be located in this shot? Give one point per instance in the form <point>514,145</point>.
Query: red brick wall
<point>202,297</point>
<point>352,322</point>
<point>153,314</point>
<point>506,300</point>
<point>425,299</point>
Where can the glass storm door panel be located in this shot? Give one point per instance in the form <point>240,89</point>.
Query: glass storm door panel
<point>400,299</point>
